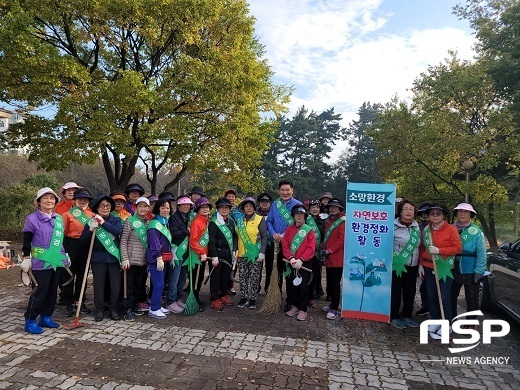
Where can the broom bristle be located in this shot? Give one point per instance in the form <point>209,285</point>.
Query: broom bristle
<point>273,299</point>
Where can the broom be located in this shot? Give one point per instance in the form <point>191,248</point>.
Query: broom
<point>273,298</point>
<point>76,324</point>
<point>192,306</point>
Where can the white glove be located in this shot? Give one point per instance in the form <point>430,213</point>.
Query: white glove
<point>66,262</point>
<point>433,249</point>
<point>93,224</point>
<point>160,264</point>
<point>421,271</point>
<point>214,261</point>
<point>298,264</point>
<point>125,264</point>
<point>261,257</point>
<point>99,219</point>
<point>26,264</point>
<point>203,258</point>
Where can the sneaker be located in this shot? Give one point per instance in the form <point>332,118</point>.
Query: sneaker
<point>242,302</point>
<point>174,308</point>
<point>137,312</point>
<point>410,322</point>
<point>252,304</point>
<point>422,312</point>
<point>202,305</point>
<point>397,323</point>
<point>332,314</point>
<point>129,316</point>
<point>69,311</point>
<point>156,314</point>
<point>302,315</point>
<point>99,315</point>
<point>294,310</point>
<point>164,310</point>
<point>217,305</point>
<point>181,304</point>
<point>438,335</point>
<point>143,306</point>
<point>433,328</point>
<point>326,308</point>
<point>226,300</point>
<point>232,291</point>
<point>312,304</point>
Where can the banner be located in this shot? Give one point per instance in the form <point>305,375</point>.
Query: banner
<point>367,266</point>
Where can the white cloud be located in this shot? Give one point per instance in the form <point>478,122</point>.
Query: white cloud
<point>336,53</point>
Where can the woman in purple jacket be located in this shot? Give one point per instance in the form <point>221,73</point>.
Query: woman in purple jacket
<point>43,252</point>
<point>158,253</point>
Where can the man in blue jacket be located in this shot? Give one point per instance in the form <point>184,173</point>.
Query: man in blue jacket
<point>278,219</point>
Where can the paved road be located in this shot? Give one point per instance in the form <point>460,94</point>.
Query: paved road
<point>237,348</point>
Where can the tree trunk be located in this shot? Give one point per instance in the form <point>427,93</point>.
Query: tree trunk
<point>176,179</point>
<point>121,172</point>
<point>489,231</point>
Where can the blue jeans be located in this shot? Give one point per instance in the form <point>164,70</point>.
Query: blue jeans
<point>433,300</point>
<point>157,280</point>
<point>173,281</point>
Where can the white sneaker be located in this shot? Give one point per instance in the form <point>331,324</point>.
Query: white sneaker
<point>164,310</point>
<point>438,335</point>
<point>433,328</point>
<point>326,308</point>
<point>156,314</point>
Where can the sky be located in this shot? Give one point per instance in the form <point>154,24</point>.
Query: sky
<point>341,53</point>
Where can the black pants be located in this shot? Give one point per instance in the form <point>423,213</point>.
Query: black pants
<point>134,277</point>
<point>424,298</point>
<point>334,275</point>
<point>100,272</point>
<point>281,266</point>
<point>78,262</point>
<point>42,301</point>
<point>269,261</point>
<point>403,287</point>
<point>220,279</point>
<point>299,295</point>
<point>471,289</point>
<point>315,286</point>
<point>197,282</point>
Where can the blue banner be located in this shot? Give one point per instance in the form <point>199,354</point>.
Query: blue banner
<point>369,237</point>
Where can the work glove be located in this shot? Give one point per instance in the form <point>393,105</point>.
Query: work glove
<point>433,249</point>
<point>99,219</point>
<point>93,224</point>
<point>214,261</point>
<point>160,264</point>
<point>203,258</point>
<point>125,264</point>
<point>298,264</point>
<point>478,277</point>
<point>26,264</point>
<point>261,257</point>
<point>421,272</point>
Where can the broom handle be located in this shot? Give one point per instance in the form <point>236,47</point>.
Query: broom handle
<point>198,274</point>
<point>124,284</point>
<point>437,284</point>
<point>86,273</point>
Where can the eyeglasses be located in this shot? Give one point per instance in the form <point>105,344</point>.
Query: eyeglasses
<point>105,205</point>
<point>435,213</point>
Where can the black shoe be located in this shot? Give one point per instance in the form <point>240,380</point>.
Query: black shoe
<point>242,302</point>
<point>422,311</point>
<point>137,312</point>
<point>84,309</point>
<point>69,311</point>
<point>129,316</point>
<point>329,299</point>
<point>252,304</point>
<point>99,315</point>
<point>202,305</point>
<point>114,315</point>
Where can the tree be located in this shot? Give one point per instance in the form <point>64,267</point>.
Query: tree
<point>456,115</point>
<point>300,151</point>
<point>181,80</point>
<point>357,162</point>
<point>496,24</point>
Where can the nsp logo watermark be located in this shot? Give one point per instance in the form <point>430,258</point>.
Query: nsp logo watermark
<point>458,326</point>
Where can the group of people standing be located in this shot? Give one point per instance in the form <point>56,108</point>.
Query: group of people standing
<point>124,238</point>
<point>446,257</point>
